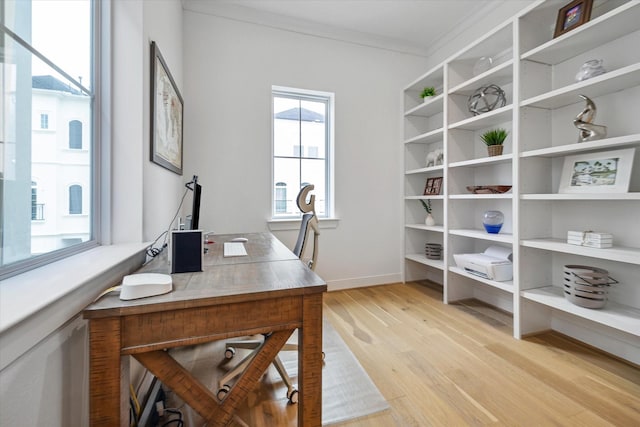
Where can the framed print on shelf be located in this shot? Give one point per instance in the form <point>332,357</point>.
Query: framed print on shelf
<point>433,186</point>
<point>603,172</point>
<point>167,108</point>
<point>573,15</point>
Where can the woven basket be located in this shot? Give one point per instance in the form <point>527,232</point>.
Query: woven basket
<point>495,150</point>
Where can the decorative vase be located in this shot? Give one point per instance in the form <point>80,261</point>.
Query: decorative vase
<point>590,69</point>
<point>493,221</point>
<point>495,150</point>
<point>429,220</point>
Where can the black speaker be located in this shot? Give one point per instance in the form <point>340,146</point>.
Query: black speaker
<point>186,251</point>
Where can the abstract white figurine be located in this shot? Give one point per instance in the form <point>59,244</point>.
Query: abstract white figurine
<point>584,122</point>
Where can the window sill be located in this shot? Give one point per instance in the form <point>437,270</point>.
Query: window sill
<point>294,223</point>
<point>36,303</point>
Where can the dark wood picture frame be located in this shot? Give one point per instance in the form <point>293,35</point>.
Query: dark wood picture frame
<point>167,112</point>
<point>573,15</point>
<point>433,186</point>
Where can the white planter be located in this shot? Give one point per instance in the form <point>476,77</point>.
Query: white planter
<point>429,220</point>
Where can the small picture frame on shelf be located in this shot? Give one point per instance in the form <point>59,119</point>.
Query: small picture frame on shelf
<point>573,15</point>
<point>433,186</point>
<point>603,172</point>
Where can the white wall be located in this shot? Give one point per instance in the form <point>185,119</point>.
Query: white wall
<point>231,67</point>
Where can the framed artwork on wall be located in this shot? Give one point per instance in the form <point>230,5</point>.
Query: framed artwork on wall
<point>167,108</point>
<point>603,172</point>
<point>573,15</point>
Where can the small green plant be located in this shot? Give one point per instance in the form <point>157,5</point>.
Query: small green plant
<point>494,136</point>
<point>428,91</point>
<point>426,205</point>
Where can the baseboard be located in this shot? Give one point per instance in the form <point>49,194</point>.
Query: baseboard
<point>363,282</point>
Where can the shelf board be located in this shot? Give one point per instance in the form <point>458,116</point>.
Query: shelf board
<point>583,196</point>
<point>433,77</point>
<point>435,228</point>
<point>616,253</point>
<point>604,84</point>
<point>505,286</point>
<point>499,75</point>
<point>430,196</point>
<point>499,39</point>
<point>481,196</point>
<point>481,121</point>
<point>613,315</point>
<point>483,161</point>
<point>597,32</point>
<point>483,235</point>
<point>422,259</point>
<point>423,170</point>
<point>427,108</point>
<point>581,147</point>
<point>427,137</point>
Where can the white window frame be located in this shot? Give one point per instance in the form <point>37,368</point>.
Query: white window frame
<point>330,144</point>
<point>99,37</point>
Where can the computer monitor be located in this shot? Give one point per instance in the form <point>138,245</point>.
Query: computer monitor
<point>195,208</point>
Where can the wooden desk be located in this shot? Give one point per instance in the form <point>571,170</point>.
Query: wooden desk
<point>270,290</point>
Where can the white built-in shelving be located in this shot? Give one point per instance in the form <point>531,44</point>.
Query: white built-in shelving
<point>537,73</point>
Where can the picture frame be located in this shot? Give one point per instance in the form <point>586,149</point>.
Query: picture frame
<point>572,16</point>
<point>433,186</point>
<point>601,172</point>
<point>167,112</point>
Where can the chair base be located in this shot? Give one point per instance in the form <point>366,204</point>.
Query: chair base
<point>255,346</point>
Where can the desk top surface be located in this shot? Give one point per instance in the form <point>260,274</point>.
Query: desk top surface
<point>269,270</point>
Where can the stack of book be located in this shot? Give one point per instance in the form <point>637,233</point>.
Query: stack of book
<point>592,239</point>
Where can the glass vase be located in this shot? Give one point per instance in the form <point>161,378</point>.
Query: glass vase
<point>492,221</point>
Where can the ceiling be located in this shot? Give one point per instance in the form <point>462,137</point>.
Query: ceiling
<point>410,26</point>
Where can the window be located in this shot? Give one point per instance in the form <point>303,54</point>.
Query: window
<point>75,200</point>
<point>302,138</point>
<point>47,75</point>
<point>44,121</point>
<point>75,135</point>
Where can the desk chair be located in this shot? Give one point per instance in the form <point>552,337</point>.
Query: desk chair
<point>309,223</point>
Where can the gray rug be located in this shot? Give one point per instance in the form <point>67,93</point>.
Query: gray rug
<point>347,390</point>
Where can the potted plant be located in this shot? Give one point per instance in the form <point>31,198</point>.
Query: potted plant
<point>427,207</point>
<point>494,139</point>
<point>428,92</point>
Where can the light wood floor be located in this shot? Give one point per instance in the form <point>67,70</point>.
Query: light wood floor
<point>458,365</point>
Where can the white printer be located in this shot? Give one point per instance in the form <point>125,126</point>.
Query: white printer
<point>495,263</point>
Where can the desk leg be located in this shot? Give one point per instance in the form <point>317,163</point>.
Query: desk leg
<point>108,375</point>
<point>310,362</point>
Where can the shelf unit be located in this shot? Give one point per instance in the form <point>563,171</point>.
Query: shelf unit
<point>537,73</point>
<point>423,134</point>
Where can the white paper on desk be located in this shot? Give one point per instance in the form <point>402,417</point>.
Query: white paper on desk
<point>499,252</point>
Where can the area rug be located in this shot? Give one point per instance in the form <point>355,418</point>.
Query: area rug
<point>347,390</point>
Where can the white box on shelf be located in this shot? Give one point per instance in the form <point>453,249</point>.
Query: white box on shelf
<point>592,239</point>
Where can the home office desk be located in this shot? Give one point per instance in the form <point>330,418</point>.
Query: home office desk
<point>269,290</point>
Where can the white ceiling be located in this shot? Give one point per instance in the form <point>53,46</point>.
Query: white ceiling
<point>411,26</point>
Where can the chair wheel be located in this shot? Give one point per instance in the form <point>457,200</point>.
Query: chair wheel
<point>222,393</point>
<point>323,355</point>
<point>293,396</point>
<point>229,353</point>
